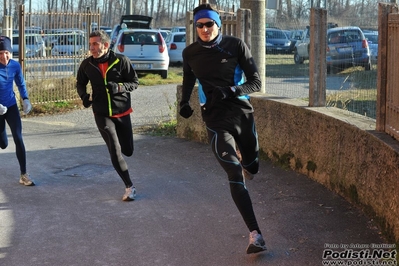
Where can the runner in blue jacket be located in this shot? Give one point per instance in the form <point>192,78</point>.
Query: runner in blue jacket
<point>226,72</point>
<point>10,72</point>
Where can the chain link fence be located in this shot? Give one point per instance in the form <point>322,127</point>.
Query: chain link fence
<point>51,78</point>
<point>350,88</point>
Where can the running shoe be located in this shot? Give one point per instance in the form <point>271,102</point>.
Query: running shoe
<point>256,243</point>
<point>130,194</point>
<point>25,180</point>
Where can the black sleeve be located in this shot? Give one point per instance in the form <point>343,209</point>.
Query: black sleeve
<point>188,79</point>
<point>82,80</point>
<point>253,82</point>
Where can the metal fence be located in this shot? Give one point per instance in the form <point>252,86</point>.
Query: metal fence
<point>51,76</point>
<point>352,89</point>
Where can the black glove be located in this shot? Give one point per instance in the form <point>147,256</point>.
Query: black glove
<point>86,101</point>
<point>221,93</point>
<point>185,109</point>
<point>113,87</point>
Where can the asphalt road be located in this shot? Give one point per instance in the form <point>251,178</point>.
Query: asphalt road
<point>183,215</point>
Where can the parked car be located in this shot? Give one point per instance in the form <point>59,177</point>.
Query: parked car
<point>176,42</point>
<point>347,47</point>
<point>277,41</point>
<point>34,45</point>
<point>178,29</point>
<point>130,22</point>
<point>301,50</point>
<point>288,33</point>
<point>294,37</point>
<point>372,39</point>
<point>107,29</point>
<point>146,49</point>
<point>69,44</point>
<point>165,33</point>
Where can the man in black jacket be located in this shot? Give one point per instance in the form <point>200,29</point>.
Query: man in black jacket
<point>226,73</point>
<point>112,78</point>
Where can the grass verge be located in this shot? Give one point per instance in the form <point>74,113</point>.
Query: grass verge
<point>362,98</point>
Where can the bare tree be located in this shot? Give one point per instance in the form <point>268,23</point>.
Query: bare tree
<point>171,12</point>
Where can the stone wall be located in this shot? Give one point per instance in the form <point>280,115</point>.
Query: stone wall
<point>339,150</point>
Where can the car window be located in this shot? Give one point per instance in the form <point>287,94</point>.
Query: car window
<point>70,40</point>
<point>344,36</point>
<point>164,34</point>
<point>30,39</point>
<point>179,38</point>
<point>296,35</point>
<point>372,38</point>
<point>151,38</point>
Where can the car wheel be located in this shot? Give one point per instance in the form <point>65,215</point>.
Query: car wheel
<point>164,74</point>
<point>297,58</point>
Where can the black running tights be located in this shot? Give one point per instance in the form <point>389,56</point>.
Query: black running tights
<point>118,135</point>
<point>225,136</point>
<point>14,121</point>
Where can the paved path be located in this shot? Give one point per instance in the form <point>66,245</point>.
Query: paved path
<point>183,215</point>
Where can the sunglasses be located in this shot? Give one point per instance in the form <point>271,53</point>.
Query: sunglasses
<point>208,24</point>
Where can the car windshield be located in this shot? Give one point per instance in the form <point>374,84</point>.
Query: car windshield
<point>275,35</point>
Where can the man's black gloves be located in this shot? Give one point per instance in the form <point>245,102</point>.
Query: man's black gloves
<point>86,101</point>
<point>221,93</point>
<point>113,87</point>
<point>185,109</point>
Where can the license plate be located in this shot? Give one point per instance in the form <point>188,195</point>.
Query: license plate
<point>345,49</point>
<point>142,66</point>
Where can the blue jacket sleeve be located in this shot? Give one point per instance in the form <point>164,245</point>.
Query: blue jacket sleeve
<point>20,82</point>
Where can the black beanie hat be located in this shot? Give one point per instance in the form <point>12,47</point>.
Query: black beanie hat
<point>5,44</point>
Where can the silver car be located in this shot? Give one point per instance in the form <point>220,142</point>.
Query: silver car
<point>69,44</point>
<point>145,48</point>
<point>34,45</point>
